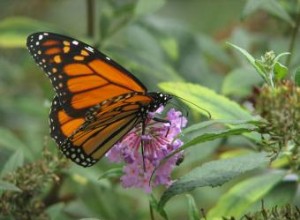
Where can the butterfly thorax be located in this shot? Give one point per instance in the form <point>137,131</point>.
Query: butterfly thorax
<point>159,99</point>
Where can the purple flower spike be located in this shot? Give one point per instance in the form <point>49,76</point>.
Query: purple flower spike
<point>160,139</point>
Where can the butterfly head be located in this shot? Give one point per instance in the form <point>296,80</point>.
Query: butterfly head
<point>158,100</point>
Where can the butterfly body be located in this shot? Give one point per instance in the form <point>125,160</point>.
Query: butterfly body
<point>97,101</point>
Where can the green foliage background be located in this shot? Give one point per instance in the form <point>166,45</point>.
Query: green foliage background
<point>167,44</point>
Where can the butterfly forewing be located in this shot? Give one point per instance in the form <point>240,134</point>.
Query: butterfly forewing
<point>81,76</point>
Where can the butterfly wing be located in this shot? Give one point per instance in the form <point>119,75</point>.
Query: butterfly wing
<point>82,77</point>
<point>86,139</point>
<point>97,100</point>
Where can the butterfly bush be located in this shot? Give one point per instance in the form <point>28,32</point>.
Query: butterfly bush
<point>160,139</point>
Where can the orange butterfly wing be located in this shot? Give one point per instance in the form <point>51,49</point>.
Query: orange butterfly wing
<point>86,140</point>
<point>81,76</point>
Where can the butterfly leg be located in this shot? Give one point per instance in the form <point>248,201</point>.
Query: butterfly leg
<point>142,144</point>
<point>163,121</point>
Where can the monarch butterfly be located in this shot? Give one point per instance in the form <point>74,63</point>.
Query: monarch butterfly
<point>97,101</point>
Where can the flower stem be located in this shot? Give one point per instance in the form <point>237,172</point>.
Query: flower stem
<point>90,17</point>
<point>294,35</point>
<point>151,211</point>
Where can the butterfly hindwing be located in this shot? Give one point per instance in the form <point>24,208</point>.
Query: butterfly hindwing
<point>86,139</point>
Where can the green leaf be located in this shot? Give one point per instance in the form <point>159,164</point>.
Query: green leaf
<point>251,60</point>
<point>154,204</point>
<point>15,161</point>
<point>171,47</point>
<point>14,30</point>
<point>243,195</point>
<point>9,186</point>
<point>141,40</point>
<point>272,6</point>
<point>218,106</point>
<point>281,55</point>
<point>216,123</point>
<point>213,49</point>
<point>239,82</point>
<point>55,211</point>
<point>9,140</point>
<point>214,173</point>
<point>196,134</point>
<point>280,71</point>
<point>112,173</point>
<point>193,212</point>
<point>144,7</point>
<point>283,193</point>
<point>259,64</point>
<point>215,135</point>
<point>297,76</point>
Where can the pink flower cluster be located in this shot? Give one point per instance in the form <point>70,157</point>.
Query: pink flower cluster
<point>160,139</point>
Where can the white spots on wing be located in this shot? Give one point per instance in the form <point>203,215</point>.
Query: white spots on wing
<point>46,34</point>
<point>75,42</point>
<point>107,58</point>
<point>41,37</point>
<point>90,49</point>
<point>37,43</point>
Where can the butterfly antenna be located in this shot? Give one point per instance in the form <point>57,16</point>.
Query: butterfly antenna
<point>185,100</point>
<point>142,146</point>
<point>186,112</point>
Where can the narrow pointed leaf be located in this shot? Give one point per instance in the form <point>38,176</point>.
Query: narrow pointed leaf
<point>272,6</point>
<point>144,7</point>
<point>15,161</point>
<point>9,140</point>
<point>14,30</point>
<point>297,76</point>
<point>215,135</point>
<point>9,186</point>
<point>193,211</point>
<point>251,60</point>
